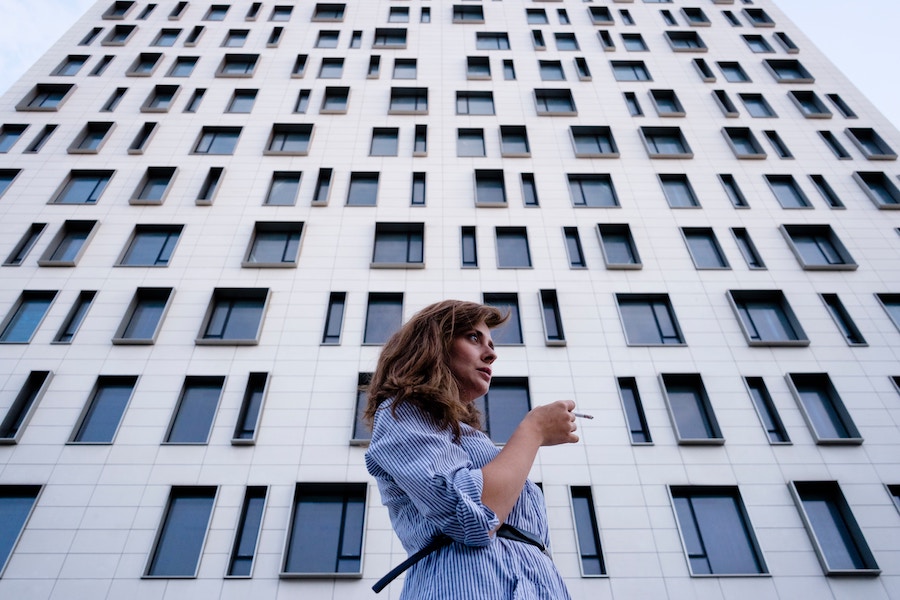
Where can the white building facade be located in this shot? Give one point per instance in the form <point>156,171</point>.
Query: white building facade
<point>213,214</point>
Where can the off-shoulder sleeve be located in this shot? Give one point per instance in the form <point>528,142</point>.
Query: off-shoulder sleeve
<point>436,474</point>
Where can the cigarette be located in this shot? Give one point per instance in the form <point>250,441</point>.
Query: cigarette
<point>582,415</point>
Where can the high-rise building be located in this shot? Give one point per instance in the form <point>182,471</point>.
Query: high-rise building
<point>213,213</point>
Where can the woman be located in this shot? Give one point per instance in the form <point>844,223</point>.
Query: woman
<point>443,481</point>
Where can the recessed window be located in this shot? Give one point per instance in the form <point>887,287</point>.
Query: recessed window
<point>363,189</point>
<point>833,531</point>
<point>757,44</point>
<point>678,191</point>
<point>648,320</point>
<point>510,332</point>
<point>335,100</point>
<point>334,318</point>
<point>151,246</point>
<point>766,410</point>
<point>384,315</point>
<point>274,244</point>
<point>733,72</point>
<point>852,335</point>
<point>289,139</point>
<point>743,143</point>
<point>82,187</point>
<point>490,188</point>
<point>144,316</point>
<point>91,36</point>
<point>695,17</point>
<point>470,142</point>
<point>384,141</point>
<point>160,98</point>
<point>119,35</point>
<point>834,145</point>
<point>195,411</point>
<point>166,37</point>
<point>408,101</point>
<point>593,141</point>
<point>551,318</point>
<point>329,12</point>
<point>666,103</point>
<point>9,135</point>
<point>474,103</point>
<point>788,71</point>
<point>638,429</point>
<point>468,13</point>
<point>630,70</point>
<point>283,188</point>
<point>216,12</point>
<point>478,67</point>
<point>325,537</point>
<point>703,70</point>
<point>118,9</point>
<point>399,245</point>
<point>398,14</point>
<point>20,412</point>
<point>509,70</point>
<point>514,141</point>
<point>418,189</point>
<point>631,102</point>
<point>154,186</point>
<point>872,145</point>
<point>841,106</point>
<point>787,191</point>
<point>600,15</point>
<point>16,504</point>
<point>68,245</point>
<point>389,37</point>
<point>6,178</point>
<point>238,65</point>
<point>243,552</point>
<point>210,186</point>
<point>46,97</point>
<point>757,106</point>
<point>725,104</point>
<point>587,532</point>
<point>405,68</point>
<point>618,246</point>
<point>554,102</point>
<point>592,190</point>
<point>26,243</point>
<point>194,102</point>
<point>574,250</point>
<point>704,248</point>
<point>488,40</point>
<point>194,36</point>
<point>716,531</point>
<point>880,188</point>
<point>182,532</point>
<point>665,142</point>
<point>826,416</point>
<point>504,407</point>
<point>327,39</point>
<point>104,410</point>
<point>758,17</point>
<point>70,65</point>
<point>468,247</point>
<point>766,318</point>
<point>26,316</point>
<point>529,190</point>
<point>323,187</point>
<point>748,248</point>
<point>217,140</point>
<point>685,41</point>
<point>690,409</point>
<point>551,70</point>
<point>183,66</point>
<point>778,144</point>
<point>76,316</point>
<point>809,104</point>
<point>566,41</point>
<point>178,11</point>
<point>302,103</point>
<point>234,316</point>
<point>826,191</point>
<point>512,248</point>
<point>281,13</point>
<point>634,42</point>
<point>145,64</point>
<point>241,101</point>
<point>891,305</point>
<point>817,247</point>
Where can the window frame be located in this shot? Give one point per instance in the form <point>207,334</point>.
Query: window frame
<point>142,295</point>
<point>207,493</point>
<point>818,231</point>
<point>290,228</point>
<point>834,409</point>
<point>390,233</point>
<point>92,405</point>
<point>223,294</point>
<point>694,382</point>
<point>740,302</point>
<point>655,303</point>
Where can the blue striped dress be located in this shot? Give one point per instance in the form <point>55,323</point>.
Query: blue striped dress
<point>431,484</point>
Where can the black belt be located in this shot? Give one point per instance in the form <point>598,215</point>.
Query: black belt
<point>506,531</point>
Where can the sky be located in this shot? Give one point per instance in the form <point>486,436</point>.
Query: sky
<point>849,33</point>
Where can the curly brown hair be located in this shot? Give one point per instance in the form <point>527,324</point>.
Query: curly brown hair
<point>414,364</point>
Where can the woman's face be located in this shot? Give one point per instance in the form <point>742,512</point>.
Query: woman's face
<point>471,355</point>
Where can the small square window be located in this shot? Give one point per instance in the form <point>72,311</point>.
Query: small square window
<point>399,245</point>
<point>551,70</point>
<point>70,65</point>
<point>536,16</point>
<point>119,35</point>
<point>216,12</point>
<point>618,246</point>
<point>514,141</point>
<point>478,67</point>
<point>7,176</point>
<point>667,103</point>
<point>408,101</point>
<point>384,141</point>
<point>704,248</point>
<point>166,38</point>
<point>474,103</point>
<point>743,143</point>
<point>601,15</point>
<point>817,248</point>
<point>328,39</point>
<point>690,409</point>
<point>566,41</point>
<point>234,317</point>
<point>788,71</point>
<point>150,246</point>
<point>554,102</point>
<point>512,248</point>
<point>593,141</point>
<point>665,142</point>
<point>331,68</point>
<point>398,14</point>
<point>161,98</point>
<point>335,100</point>
<point>678,191</point>
<point>154,186</point>
<point>241,101</point>
<point>757,105</point>
<point>405,68</point>
<point>291,139</point>
<point>238,65</point>
<point>183,66</point>
<point>787,191</point>
<point>766,318</point>
<point>634,42</point>
<point>733,72</point>
<point>281,13</point>
<point>470,142</point>
<point>649,320</point>
<point>758,17</point>
<point>69,244</point>
<point>9,135</point>
<point>592,190</point>
<point>363,189</point>
<point>490,188</point>
<point>274,244</point>
<point>144,316</point>
<point>283,188</point>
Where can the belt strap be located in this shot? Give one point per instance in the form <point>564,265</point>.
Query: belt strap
<point>506,531</point>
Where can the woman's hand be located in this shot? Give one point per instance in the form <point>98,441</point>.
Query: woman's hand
<point>553,423</point>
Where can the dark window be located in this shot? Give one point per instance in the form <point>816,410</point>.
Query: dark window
<point>514,141</point>
<point>592,190</point>
<point>151,246</point>
<point>154,186</point>
<point>617,244</point>
<point>716,531</point>
<point>469,247</point>
<point>880,189</point>
<point>810,105</point>
<point>788,71</point>
<point>361,434</point>
<point>290,139</point>
<point>733,72</point>
<point>384,315</point>
<point>68,245</point>
<point>765,408</point>
<point>384,141</point>
<point>685,41</point>
<point>182,532</point>
<point>891,305</point>
<point>326,532</point>
<point>16,503</point>
<point>554,102</point>
<point>573,248</point>
<point>817,247</point>
<point>490,188</point>
<point>512,248</point>
<point>323,187</point>
<point>83,187</point>
<point>399,245</point>
<point>284,188</point>
<point>235,316</point>
<point>76,315</point>
<point>238,65</point>
<point>417,193</point>
<point>247,425</point>
<point>334,318</point>
<point>491,41</point>
<point>9,135</point>
<point>474,103</point>
<point>678,191</point>
<point>91,138</point>
<point>470,142</point>
<point>690,410</point>
<point>104,410</point>
<point>648,320</point>
<point>386,37</point>
<point>828,419</point>
<point>210,186</point>
<point>552,319</point>
<point>827,192</point>
<point>196,410</point>
<point>26,243</point>
<point>25,316</point>
<point>757,105</point>
<point>274,244</point>
<point>217,140</point>
<point>630,70</point>
<point>408,101</point>
<point>704,248</point>
<point>748,248</point>
<point>587,532</point>
<point>504,407</point>
<point>509,332</point>
<point>638,429</point>
<point>246,538</point>
<point>144,316</point>
<point>20,412</point>
<point>241,101</point>
<point>46,97</point>
<point>733,191</point>
<point>593,141</point>
<point>766,318</point>
<point>843,320</point>
<point>665,142</point>
<point>743,142</point>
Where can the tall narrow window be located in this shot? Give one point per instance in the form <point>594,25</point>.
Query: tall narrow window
<point>504,407</point>
<point>552,319</point>
<point>182,532</point>
<point>765,408</point>
<point>833,530</point>
<point>247,426</point>
<point>326,530</point>
<point>25,316</point>
<point>21,409</point>
<point>716,531</point>
<point>468,248</point>
<point>420,141</point>
<point>748,248</point>
<point>638,429</point>
<point>25,244</point>
<point>510,332</point>
<point>323,187</point>
<point>334,318</point>
<point>246,538</point>
<point>361,434</point>
<point>76,315</point>
<point>573,248</point>
<point>690,409</point>
<point>417,189</point>
<point>144,316</point>
<point>104,410</point>
<point>210,186</point>
<point>733,191</point>
<point>843,320</point>
<point>827,192</point>
<point>648,320</point>
<point>512,248</point>
<point>891,305</point>
<point>587,532</point>
<point>143,137</point>
<point>16,504</point>
<point>828,419</point>
<point>195,412</point>
<point>384,315</point>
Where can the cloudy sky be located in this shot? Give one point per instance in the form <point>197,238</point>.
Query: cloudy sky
<point>850,34</point>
